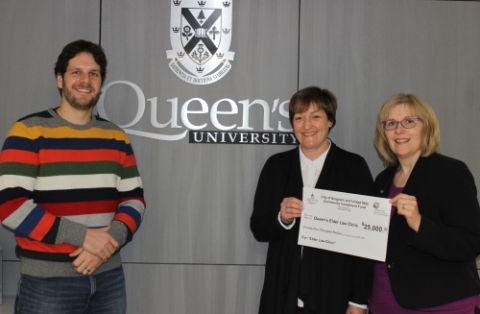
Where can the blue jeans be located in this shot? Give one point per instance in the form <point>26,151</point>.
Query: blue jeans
<point>100,294</point>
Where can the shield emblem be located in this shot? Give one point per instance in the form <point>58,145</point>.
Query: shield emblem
<point>200,35</point>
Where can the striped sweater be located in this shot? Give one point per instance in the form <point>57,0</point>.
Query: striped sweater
<point>57,179</point>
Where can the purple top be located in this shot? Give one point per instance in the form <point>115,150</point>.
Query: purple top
<point>383,301</point>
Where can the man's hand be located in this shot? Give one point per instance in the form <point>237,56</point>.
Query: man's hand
<point>85,262</point>
<point>99,242</point>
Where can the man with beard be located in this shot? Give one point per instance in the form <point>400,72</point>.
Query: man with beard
<point>71,193</point>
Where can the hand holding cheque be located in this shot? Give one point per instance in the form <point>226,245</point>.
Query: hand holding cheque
<point>290,208</point>
<point>346,223</point>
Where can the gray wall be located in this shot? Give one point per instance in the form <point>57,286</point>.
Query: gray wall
<point>194,252</point>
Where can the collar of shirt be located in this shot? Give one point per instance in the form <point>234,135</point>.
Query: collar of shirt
<point>311,169</point>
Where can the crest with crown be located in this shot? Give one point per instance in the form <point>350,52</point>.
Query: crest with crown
<point>200,35</point>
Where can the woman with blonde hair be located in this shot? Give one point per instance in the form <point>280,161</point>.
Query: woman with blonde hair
<point>434,234</point>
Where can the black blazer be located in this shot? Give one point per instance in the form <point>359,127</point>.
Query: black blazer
<point>436,265</point>
<point>326,280</point>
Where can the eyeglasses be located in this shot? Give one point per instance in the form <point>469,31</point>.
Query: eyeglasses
<point>407,123</point>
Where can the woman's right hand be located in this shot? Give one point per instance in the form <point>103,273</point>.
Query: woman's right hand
<point>290,208</point>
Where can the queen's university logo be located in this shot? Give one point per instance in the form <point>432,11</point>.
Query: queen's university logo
<point>200,34</point>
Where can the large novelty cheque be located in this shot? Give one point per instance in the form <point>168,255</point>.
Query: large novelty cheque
<point>345,223</point>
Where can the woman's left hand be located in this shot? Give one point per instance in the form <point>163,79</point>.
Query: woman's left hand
<point>352,309</point>
<point>407,207</point>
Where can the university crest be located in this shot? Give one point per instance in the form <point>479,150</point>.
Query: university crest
<point>200,34</point>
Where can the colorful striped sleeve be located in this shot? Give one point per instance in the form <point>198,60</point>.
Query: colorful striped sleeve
<point>18,172</point>
<point>132,203</point>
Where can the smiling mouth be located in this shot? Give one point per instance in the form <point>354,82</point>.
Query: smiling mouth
<point>85,91</point>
